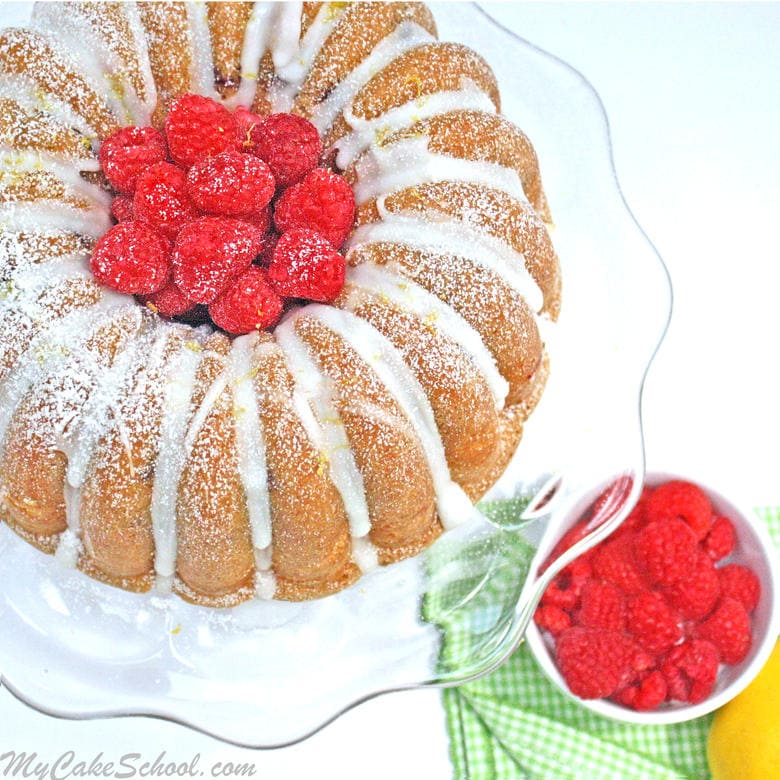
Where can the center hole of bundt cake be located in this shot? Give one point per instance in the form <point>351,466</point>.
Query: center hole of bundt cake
<point>223,217</point>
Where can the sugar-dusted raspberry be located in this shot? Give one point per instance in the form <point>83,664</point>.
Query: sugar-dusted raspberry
<point>245,121</point>
<point>122,208</point>
<point>210,253</point>
<point>289,144</point>
<point>720,541</point>
<point>614,562</point>
<point>322,201</point>
<point>161,199</point>
<point>652,622</point>
<point>696,592</point>
<point>740,583</point>
<point>602,605</point>
<point>133,258</point>
<point>305,265</point>
<point>230,184</point>
<point>126,154</point>
<point>168,302</point>
<point>665,550</point>
<point>552,619</point>
<point>197,127</point>
<point>683,500</point>
<point>260,219</point>
<point>595,663</point>
<point>728,628</point>
<point>690,670</point>
<point>648,693</point>
<point>249,303</point>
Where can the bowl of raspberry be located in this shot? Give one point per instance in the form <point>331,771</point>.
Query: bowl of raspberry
<point>669,617</point>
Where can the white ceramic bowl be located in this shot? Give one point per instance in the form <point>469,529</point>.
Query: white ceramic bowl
<point>753,548</point>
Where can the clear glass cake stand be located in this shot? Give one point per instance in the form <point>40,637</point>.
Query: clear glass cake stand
<point>269,674</point>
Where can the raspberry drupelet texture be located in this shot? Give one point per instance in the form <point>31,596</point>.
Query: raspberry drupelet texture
<point>128,153</point>
<point>198,127</point>
<point>231,184</point>
<point>133,258</point>
<point>289,144</point>
<point>168,302</point>
<point>683,500</point>
<point>323,201</point>
<point>161,199</point>
<point>210,253</point>
<point>248,303</point>
<point>305,265</point>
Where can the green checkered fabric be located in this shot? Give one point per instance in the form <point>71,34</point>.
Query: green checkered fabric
<point>513,723</point>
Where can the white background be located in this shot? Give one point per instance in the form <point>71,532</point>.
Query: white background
<point>693,97</point>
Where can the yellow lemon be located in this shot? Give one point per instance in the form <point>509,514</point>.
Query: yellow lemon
<point>744,742</point>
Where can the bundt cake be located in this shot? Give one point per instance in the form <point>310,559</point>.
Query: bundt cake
<point>159,455</point>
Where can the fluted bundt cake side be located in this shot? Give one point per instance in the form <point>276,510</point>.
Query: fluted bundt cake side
<point>154,454</point>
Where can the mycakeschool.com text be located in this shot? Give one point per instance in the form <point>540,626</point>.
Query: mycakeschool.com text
<point>28,764</point>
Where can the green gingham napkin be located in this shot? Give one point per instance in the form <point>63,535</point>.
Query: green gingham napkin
<point>513,723</point>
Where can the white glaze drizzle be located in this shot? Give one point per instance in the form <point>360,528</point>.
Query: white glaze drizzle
<point>440,233</point>
<point>293,64</point>
<point>107,383</point>
<point>250,442</point>
<point>202,70</point>
<point>409,162</point>
<point>411,297</point>
<point>176,412</point>
<point>256,36</point>
<point>408,35</point>
<point>380,354</point>
<point>53,215</point>
<point>315,390</point>
<point>367,132</point>
<point>16,162</point>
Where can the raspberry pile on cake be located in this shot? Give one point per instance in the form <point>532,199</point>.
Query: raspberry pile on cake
<point>224,214</point>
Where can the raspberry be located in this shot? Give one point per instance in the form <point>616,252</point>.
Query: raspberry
<point>305,265</point>
<point>614,562</point>
<point>728,628</point>
<point>740,583</point>
<point>210,253</point>
<point>122,208</point>
<point>230,184</point>
<point>719,542</point>
<point>559,593</point>
<point>690,670</point>
<point>595,663</point>
<point>604,507</point>
<point>683,500</point>
<point>198,127</point>
<point>270,240</point>
<point>245,121</point>
<point>249,303</point>
<point>289,144</point>
<point>552,619</point>
<point>565,590</point>
<point>168,302</point>
<point>132,258</point>
<point>161,199</point>
<point>652,623</point>
<point>128,153</point>
<point>323,201</point>
<point>665,550</point>
<point>646,694</point>
<point>697,591</point>
<point>260,219</point>
<point>603,606</point>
